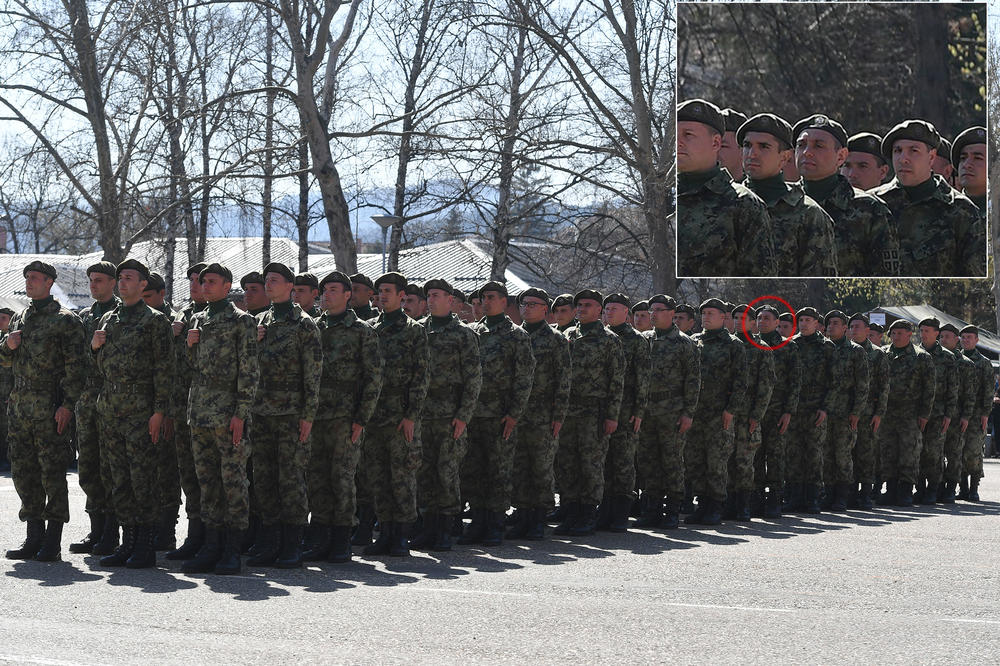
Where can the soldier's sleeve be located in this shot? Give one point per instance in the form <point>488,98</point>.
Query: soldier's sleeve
<point>737,378</point>
<point>821,248</point>
<point>794,379</point>
<point>616,379</point>
<point>311,357</point>
<point>472,375</point>
<point>6,352</point>
<point>985,400</point>
<point>161,342</point>
<point>563,370</point>
<point>885,246</point>
<point>881,385</point>
<point>972,247</point>
<point>764,387</point>
<point>524,373</point>
<point>74,351</point>
<point>371,376</point>
<point>834,387</point>
<point>861,381</point>
<point>757,254</point>
<point>691,387</point>
<point>965,394</point>
<point>641,377</point>
<point>951,387</point>
<point>249,368</point>
<point>419,369</point>
<point>925,386</point>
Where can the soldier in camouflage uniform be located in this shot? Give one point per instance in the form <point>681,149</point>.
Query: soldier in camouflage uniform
<point>722,397</point>
<point>939,229</point>
<point>133,350</point>
<point>290,356</point>
<point>731,152</point>
<point>6,386</point>
<point>45,347</point>
<point>864,168</point>
<point>95,480</point>
<point>305,294</point>
<point>507,367</point>
<point>871,414</point>
<point>803,233</point>
<point>640,317</point>
<point>684,318</point>
<point>564,313</point>
<point>961,417</point>
<point>982,396</point>
<point>968,154</point>
<point>254,294</point>
<point>945,404</point>
<point>362,290</point>
<point>415,302</point>
<point>454,381</point>
<point>862,225</point>
<point>256,302</point>
<point>670,409</point>
<point>222,349</point>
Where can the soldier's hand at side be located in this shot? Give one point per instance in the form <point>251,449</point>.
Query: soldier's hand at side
<point>100,337</point>
<point>356,430</point>
<point>945,423</point>
<point>261,332</point>
<point>177,327</point>
<point>610,426</point>
<point>820,417</point>
<point>963,425</point>
<point>753,426</point>
<point>636,423</point>
<point>407,426</point>
<point>508,426</point>
<point>305,427</point>
<point>684,424</point>
<point>556,428</point>
<point>14,339</point>
<point>853,420</point>
<point>459,426</point>
<point>727,420</point>
<point>236,427</point>
<point>194,336</point>
<point>876,422</point>
<point>155,424</point>
<point>63,417</point>
<point>168,427</point>
<point>783,423</point>
<point>921,423</point>
<point>982,422</point>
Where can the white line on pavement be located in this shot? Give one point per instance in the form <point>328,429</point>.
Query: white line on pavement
<point>451,591</point>
<point>969,620</point>
<point>34,659</point>
<point>741,608</point>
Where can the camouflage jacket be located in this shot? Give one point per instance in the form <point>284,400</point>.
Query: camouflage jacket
<point>366,313</point>
<point>981,206</point>
<point>818,364</point>
<point>508,368</point>
<point>403,343</point>
<point>878,380</point>
<point>966,386</point>
<point>550,386</point>
<point>723,373</point>
<point>941,235</point>
<point>636,388</point>
<point>675,372</point>
<point>787,374</point>
<point>911,380</point>
<point>51,360</point>
<point>91,316</point>
<point>291,364</point>
<point>760,378</point>
<point>224,367</point>
<point>723,229</point>
<point>803,235</point>
<point>946,381</point>
<point>455,377</point>
<point>598,363</point>
<point>6,383</point>
<point>982,387</point>
<point>183,372</point>
<point>849,396</point>
<point>137,357</point>
<point>352,368</point>
<point>862,225</point>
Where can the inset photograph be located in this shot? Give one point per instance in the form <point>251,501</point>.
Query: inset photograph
<point>821,140</point>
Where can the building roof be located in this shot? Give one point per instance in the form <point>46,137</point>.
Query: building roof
<point>989,343</point>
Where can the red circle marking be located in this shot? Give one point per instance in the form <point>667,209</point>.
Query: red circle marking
<point>743,322</point>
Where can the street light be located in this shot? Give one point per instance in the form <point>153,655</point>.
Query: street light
<point>385,221</point>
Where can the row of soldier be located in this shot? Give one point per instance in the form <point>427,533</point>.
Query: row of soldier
<point>438,414</point>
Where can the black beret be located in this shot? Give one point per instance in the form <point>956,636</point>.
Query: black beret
<point>860,316</point>
<point>196,269</point>
<point>105,267</point>
<point>493,286</point>
<point>414,289</point>
<point>392,277</point>
<point>306,280</point>
<point>40,267</point>
<point>474,295</point>
<point>618,297</point>
<point>438,283</point>
<point>876,327</point>
<point>281,269</point>
<point>866,142</point>
<point>251,278</point>
<point>534,292</point>
<point>769,123</point>
<point>361,278</point>
<point>134,265</point>
<point>733,119</point>
<point>739,308</point>
<point>217,269</point>
<point>901,323</point>
<point>932,322</point>
<point>838,314</point>
<point>808,311</point>
<point>767,308</point>
<point>950,327</point>
<point>589,294</point>
<point>972,135</point>
<point>820,122</point>
<point>914,130</point>
<point>458,294</point>
<point>714,303</point>
<point>155,282</point>
<point>944,149</point>
<point>970,329</point>
<point>822,320</point>
<point>700,111</point>
<point>786,316</point>
<point>644,305</point>
<point>562,299</point>
<point>338,277</point>
<point>7,311</point>
<point>686,308</point>
<point>666,301</point>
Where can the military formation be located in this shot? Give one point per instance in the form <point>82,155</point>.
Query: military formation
<point>299,427</point>
<point>760,197</point>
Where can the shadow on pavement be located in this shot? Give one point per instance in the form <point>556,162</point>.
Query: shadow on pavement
<point>151,581</point>
<point>52,574</point>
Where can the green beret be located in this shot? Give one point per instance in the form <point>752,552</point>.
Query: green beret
<point>716,303</point>
<point>808,311</point>
<point>474,295</point>
<point>534,292</point>
<point>901,323</point>
<point>196,269</point>
<point>134,265</point>
<point>837,314</point>
<point>216,269</point>
<point>970,329</point>
<point>618,297</point>
<point>769,123</point>
<point>414,289</point>
<point>820,122</point>
<point>950,327</point>
<point>944,149</point>
<point>876,327</point>
<point>932,322</point>
<point>866,142</point>
<point>666,301</point>
<point>914,130</point>
<point>361,278</point>
<point>767,308</point>
<point>40,267</point>
<point>562,299</point>
<point>738,309</point>
<point>7,311</point>
<point>438,283</point>
<point>733,119</point>
<point>641,305</point>
<point>860,317</point>
<point>700,111</point>
<point>251,278</point>
<point>458,294</point>
<point>105,267</point>
<point>493,286</point>
<point>787,316</point>
<point>686,308</point>
<point>972,135</point>
<point>392,277</point>
<point>589,294</point>
<point>337,277</point>
<point>155,282</point>
<point>281,269</point>
<point>306,280</point>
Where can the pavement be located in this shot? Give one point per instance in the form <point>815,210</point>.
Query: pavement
<point>906,586</point>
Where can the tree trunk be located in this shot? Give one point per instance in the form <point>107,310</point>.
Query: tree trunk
<point>931,34</point>
<point>302,220</point>
<point>266,194</point>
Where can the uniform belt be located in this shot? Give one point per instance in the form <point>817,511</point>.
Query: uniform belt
<point>127,387</point>
<point>20,383</point>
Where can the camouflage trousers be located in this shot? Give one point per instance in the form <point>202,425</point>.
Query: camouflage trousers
<point>186,471</point>
<point>900,443</point>
<point>279,470</point>
<point>804,445</point>
<point>391,471</point>
<point>706,456</point>
<point>333,463</point>
<point>131,455</point>
<point>769,463</point>
<point>932,451</point>
<point>534,460</point>
<point>583,449</point>
<point>38,457</point>
<point>486,469</point>
<point>660,456</point>
<point>94,475</point>
<point>954,444</point>
<point>745,447</point>
<point>619,465</point>
<point>221,468</point>
<point>439,479</point>
<point>168,476</point>
<point>838,452</point>
<point>972,452</point>
<point>3,435</point>
<point>865,449</point>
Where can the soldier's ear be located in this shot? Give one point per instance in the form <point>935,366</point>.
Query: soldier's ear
<point>841,156</point>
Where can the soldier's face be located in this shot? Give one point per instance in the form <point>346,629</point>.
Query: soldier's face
<point>477,308</point>
<point>194,288</point>
<point>153,298</point>
<point>214,288</point>
<point>439,302</point>
<point>102,287</point>
<point>615,314</point>
<point>642,320</point>
<point>875,337</point>
<point>969,341</point>
<point>697,146</point>
<point>949,340</point>
<point>4,321</point>
<point>818,154</point>
<point>335,297</point>
<point>277,287</point>
<point>943,167</point>
<point>533,310</point>
<point>411,305</point>
<point>972,169</point>
<point>763,156</point>
<point>255,297</point>
<point>786,328</point>
<point>767,322</point>
<point>37,285</point>
<point>900,337</point>
<point>928,335</point>
<point>304,295</point>
<point>684,321</point>
<point>390,297</point>
<point>494,303</point>
<point>912,161</point>
<point>807,324</point>
<point>361,295</point>
<point>564,314</point>
<point>588,310</point>
<point>836,328</point>
<point>728,321</point>
<point>660,316</point>
<point>859,331</point>
<point>712,319</point>
<point>731,155</point>
<point>863,170</point>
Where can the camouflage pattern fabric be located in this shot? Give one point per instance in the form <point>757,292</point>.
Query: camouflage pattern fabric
<point>279,466</point>
<point>769,464</point>
<point>391,469</point>
<point>760,384</point>
<point>333,463</point>
<point>982,400</point>
<point>804,243</point>
<point>168,477</point>
<point>945,404</point>
<point>954,443</point>
<point>805,441</point>
<point>866,444</point>
<point>222,475</point>
<point>182,432</point>
<point>912,383</point>
<point>619,466</point>
<point>862,225</point>
<point>850,398</point>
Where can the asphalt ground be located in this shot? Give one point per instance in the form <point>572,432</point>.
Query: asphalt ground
<point>890,586</point>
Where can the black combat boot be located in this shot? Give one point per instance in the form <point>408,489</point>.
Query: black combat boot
<point>918,493</point>
<point>476,530</point>
<point>948,493</point>
<point>192,544</point>
<point>340,544</point>
<point>603,522</point>
<point>383,544</point>
<point>320,548</point>
<point>122,552</point>
<point>671,514</point>
<point>865,497</point>
<point>794,498</point>
<point>888,498</point>
<point>250,535</point>
<point>558,514</point>
<point>963,488</point>
<point>51,543</point>
<point>698,514</point>
<point>94,536</point>
<point>652,513</point>
<point>493,536</point>
<point>973,489</point>
<point>743,506</point>
<point>757,503</point>
<point>620,507</point>
<point>166,530</point>
<point>930,494</point>
<point>143,556</point>
<point>208,555</point>
<point>267,546</point>
<point>586,521</point>
<point>853,496</point>
<point>713,512</point>
<point>519,529</point>
<point>730,507</point>
<point>290,555</point>
<point>536,524</point>
<point>904,493</point>
<point>442,532</point>
<point>840,493</point>
<point>109,537</point>
<point>811,504</point>
<point>826,496</point>
<point>366,521</point>
<point>509,521</point>
<point>687,506</point>
<point>772,504</point>
<point>229,562</point>
<point>571,516</point>
<point>425,538</point>
<point>398,544</point>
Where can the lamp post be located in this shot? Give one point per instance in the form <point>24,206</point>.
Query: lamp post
<point>385,221</point>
